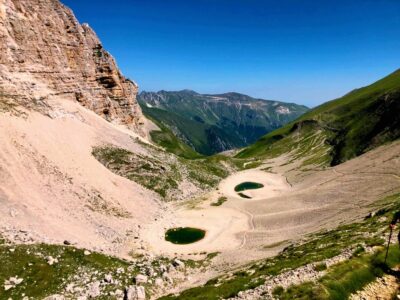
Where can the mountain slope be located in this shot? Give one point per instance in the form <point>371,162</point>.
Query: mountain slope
<point>214,123</point>
<point>56,57</point>
<point>340,129</point>
<point>165,138</point>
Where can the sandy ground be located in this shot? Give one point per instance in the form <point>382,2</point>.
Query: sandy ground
<point>221,226</point>
<point>225,226</point>
<point>274,185</point>
<point>52,188</point>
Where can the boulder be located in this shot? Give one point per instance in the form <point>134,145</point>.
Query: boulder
<point>141,293</point>
<point>108,278</point>
<point>178,264</point>
<point>55,297</point>
<point>140,278</point>
<point>12,282</point>
<point>134,292</point>
<point>159,282</point>
<point>94,290</point>
<point>51,260</point>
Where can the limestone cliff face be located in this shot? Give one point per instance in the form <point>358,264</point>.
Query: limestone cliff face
<point>43,46</point>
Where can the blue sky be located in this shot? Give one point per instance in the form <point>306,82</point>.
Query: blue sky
<point>304,51</point>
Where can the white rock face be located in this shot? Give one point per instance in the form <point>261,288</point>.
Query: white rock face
<point>59,53</point>
<point>108,278</point>
<point>141,293</point>
<point>12,282</point>
<point>51,260</point>
<point>141,279</point>
<point>167,278</point>
<point>69,288</point>
<point>159,282</point>
<point>55,297</point>
<point>178,264</point>
<point>283,110</point>
<point>135,293</point>
<point>94,290</point>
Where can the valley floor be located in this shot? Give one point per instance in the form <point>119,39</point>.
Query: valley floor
<point>291,205</point>
<point>54,190</point>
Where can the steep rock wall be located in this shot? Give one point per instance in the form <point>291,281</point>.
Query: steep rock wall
<point>43,47</point>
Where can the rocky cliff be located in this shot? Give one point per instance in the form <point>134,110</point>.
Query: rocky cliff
<point>45,52</point>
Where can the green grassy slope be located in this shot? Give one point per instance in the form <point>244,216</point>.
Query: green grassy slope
<point>41,279</point>
<point>77,269</point>
<point>168,140</point>
<point>359,121</point>
<point>203,138</point>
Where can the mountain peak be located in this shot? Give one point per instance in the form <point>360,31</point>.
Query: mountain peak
<point>80,69</point>
<point>188,91</point>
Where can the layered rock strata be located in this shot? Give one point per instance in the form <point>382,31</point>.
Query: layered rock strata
<point>45,52</point>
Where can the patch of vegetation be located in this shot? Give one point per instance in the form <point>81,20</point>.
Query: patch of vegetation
<point>307,291</point>
<point>252,164</point>
<point>346,278</point>
<point>41,279</point>
<point>220,201</point>
<point>274,245</point>
<point>340,129</point>
<point>191,263</point>
<point>184,235</point>
<point>168,140</point>
<point>358,251</point>
<point>318,247</point>
<point>212,255</point>
<point>151,173</point>
<point>74,267</point>
<point>8,103</point>
<point>244,196</point>
<point>320,267</point>
<point>209,171</point>
<point>162,172</point>
<point>98,204</point>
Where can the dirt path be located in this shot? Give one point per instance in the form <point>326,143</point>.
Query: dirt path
<point>381,289</point>
<point>251,222</point>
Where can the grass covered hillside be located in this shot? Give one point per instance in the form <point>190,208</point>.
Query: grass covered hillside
<point>340,129</point>
<point>166,138</point>
<point>215,123</point>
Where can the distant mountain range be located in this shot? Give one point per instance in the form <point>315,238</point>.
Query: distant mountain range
<point>213,123</point>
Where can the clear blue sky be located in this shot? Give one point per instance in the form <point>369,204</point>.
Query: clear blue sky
<point>303,51</point>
